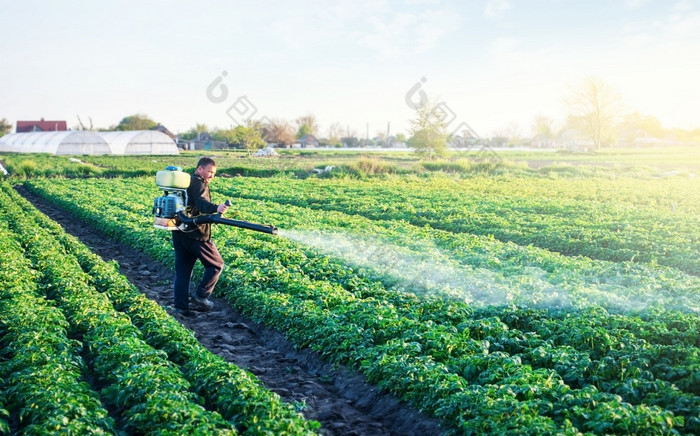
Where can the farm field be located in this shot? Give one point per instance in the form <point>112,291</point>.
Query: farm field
<point>521,301</point>
<point>69,317</point>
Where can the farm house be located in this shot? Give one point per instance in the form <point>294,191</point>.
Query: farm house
<point>78,142</point>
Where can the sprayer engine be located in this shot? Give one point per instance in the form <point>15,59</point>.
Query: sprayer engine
<point>173,182</point>
<point>170,209</point>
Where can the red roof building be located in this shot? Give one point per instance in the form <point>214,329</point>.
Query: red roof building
<point>41,126</point>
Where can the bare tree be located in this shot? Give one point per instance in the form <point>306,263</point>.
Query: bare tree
<point>594,110</point>
<point>279,132</point>
<point>82,126</point>
<point>335,132</point>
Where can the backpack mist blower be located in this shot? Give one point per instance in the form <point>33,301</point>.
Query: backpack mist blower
<point>170,209</point>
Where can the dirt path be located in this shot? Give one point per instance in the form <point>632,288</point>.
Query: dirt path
<point>340,399</point>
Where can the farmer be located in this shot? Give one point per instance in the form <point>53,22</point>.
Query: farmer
<point>197,244</point>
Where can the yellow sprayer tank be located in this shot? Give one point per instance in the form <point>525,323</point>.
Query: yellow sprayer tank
<point>172,177</point>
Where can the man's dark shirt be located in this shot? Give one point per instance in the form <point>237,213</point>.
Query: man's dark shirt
<point>198,202</point>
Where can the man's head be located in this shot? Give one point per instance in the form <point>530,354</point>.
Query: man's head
<point>206,169</point>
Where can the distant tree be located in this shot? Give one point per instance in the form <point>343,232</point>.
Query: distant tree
<point>250,136</point>
<point>544,126</point>
<point>350,141</point>
<point>686,136</point>
<point>335,132</point>
<point>193,132</point>
<point>200,128</point>
<point>219,135</point>
<point>594,110</point>
<point>512,132</point>
<point>307,125</point>
<point>136,122</point>
<point>400,137</point>
<point>5,127</point>
<point>635,125</point>
<point>497,141</point>
<point>279,132</point>
<point>380,138</point>
<point>428,130</point>
<point>304,130</point>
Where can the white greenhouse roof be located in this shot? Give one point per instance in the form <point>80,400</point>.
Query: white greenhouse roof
<point>65,142</point>
<point>77,142</point>
<point>139,142</point>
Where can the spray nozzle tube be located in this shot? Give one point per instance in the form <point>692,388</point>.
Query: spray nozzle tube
<point>218,219</point>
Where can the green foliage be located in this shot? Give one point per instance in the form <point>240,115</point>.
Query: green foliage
<point>526,340</point>
<point>246,137</point>
<point>304,129</point>
<point>428,131</point>
<point>5,127</point>
<point>616,220</point>
<point>26,169</point>
<point>151,392</point>
<point>471,167</point>
<point>367,167</point>
<point>136,122</point>
<point>481,368</point>
<point>307,125</point>
<point>41,370</point>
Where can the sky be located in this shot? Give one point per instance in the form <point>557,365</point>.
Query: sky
<point>492,65</point>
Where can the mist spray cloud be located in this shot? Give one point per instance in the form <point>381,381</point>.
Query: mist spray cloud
<point>432,271</point>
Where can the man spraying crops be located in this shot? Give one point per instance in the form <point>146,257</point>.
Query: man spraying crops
<point>197,244</point>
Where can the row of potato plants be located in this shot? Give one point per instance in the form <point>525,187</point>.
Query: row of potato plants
<point>232,392</point>
<point>570,226</point>
<point>473,352</point>
<point>484,263</point>
<point>633,277</point>
<point>150,392</point>
<point>235,393</point>
<point>605,334</point>
<point>585,347</point>
<point>364,313</point>
<point>554,270</point>
<point>531,276</point>
<point>41,367</point>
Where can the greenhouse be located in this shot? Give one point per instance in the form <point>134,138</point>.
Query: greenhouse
<point>78,142</point>
<point>139,142</point>
<point>64,142</point>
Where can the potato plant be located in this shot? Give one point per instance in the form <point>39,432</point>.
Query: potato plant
<point>482,368</point>
<point>41,368</point>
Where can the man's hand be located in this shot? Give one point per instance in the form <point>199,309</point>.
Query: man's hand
<point>222,208</point>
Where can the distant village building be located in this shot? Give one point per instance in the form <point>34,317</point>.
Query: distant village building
<point>542,141</point>
<point>162,129</point>
<point>203,141</point>
<point>574,140</point>
<point>393,142</point>
<point>308,141</point>
<point>41,126</point>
